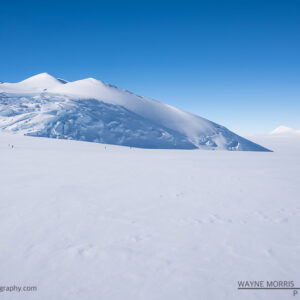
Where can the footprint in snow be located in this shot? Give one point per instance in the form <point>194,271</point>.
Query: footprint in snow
<point>269,252</point>
<point>179,194</point>
<point>84,251</point>
<point>284,220</point>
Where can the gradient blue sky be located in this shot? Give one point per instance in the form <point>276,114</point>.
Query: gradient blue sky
<point>234,62</point>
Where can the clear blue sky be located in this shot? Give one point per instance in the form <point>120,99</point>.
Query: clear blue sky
<point>234,62</point>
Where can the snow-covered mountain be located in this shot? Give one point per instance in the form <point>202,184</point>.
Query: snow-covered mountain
<point>91,110</point>
<point>285,130</point>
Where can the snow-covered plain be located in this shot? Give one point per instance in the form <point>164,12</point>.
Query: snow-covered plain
<point>89,221</point>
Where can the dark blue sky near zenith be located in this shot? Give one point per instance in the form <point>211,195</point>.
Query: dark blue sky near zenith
<point>236,63</point>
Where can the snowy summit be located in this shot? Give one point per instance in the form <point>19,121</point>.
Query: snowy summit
<point>285,130</point>
<point>94,111</point>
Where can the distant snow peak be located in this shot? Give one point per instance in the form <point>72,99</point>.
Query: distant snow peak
<point>285,130</point>
<point>94,111</point>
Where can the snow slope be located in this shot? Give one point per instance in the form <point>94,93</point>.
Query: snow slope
<point>89,221</point>
<point>91,110</point>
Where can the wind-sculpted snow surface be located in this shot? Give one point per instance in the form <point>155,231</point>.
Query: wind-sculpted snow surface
<point>90,110</point>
